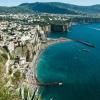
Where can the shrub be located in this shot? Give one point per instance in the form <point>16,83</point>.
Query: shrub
<point>17,74</point>
<point>4,56</point>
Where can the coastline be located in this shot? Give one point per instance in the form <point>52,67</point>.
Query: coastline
<point>43,47</point>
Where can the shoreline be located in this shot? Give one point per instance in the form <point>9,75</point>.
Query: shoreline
<point>43,47</point>
<point>37,84</point>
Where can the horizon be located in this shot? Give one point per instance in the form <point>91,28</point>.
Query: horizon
<point>74,2</point>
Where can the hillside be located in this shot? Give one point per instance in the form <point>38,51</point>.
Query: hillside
<point>51,7</point>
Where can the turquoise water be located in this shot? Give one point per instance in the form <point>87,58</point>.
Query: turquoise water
<point>68,63</point>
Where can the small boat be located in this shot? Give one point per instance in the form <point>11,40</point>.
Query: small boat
<point>85,50</point>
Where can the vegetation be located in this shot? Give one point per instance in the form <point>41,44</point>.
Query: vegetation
<point>5,94</point>
<point>4,56</point>
<point>25,93</point>
<point>51,7</point>
<point>3,59</point>
<point>10,71</point>
<point>16,77</point>
<point>28,56</point>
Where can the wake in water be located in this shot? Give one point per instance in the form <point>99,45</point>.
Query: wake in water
<point>98,29</point>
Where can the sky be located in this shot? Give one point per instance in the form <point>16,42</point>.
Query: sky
<point>76,2</point>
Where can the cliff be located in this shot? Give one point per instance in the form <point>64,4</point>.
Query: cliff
<point>20,65</point>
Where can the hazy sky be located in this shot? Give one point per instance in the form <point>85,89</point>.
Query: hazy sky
<point>77,2</point>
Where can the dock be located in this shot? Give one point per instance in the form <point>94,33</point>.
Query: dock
<point>86,43</point>
<point>50,84</point>
<point>38,83</point>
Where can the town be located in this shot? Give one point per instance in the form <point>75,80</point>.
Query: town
<point>49,50</point>
<point>22,37</point>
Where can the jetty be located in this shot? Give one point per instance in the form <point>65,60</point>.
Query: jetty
<point>38,83</point>
<point>85,43</point>
<point>50,84</point>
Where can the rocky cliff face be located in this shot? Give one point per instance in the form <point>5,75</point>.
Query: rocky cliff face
<point>21,63</point>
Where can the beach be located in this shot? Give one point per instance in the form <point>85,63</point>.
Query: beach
<point>32,72</point>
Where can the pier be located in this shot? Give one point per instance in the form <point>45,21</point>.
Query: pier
<point>38,83</point>
<point>50,84</point>
<point>85,43</point>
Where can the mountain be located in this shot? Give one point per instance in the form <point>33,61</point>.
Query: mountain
<point>47,8</point>
<point>14,10</point>
<point>51,7</point>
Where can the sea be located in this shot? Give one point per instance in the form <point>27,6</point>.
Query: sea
<point>74,64</point>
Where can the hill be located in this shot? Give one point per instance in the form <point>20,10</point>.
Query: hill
<point>51,7</point>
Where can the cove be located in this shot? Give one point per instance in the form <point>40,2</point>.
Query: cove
<point>68,63</point>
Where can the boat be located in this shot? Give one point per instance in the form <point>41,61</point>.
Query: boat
<point>86,50</point>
